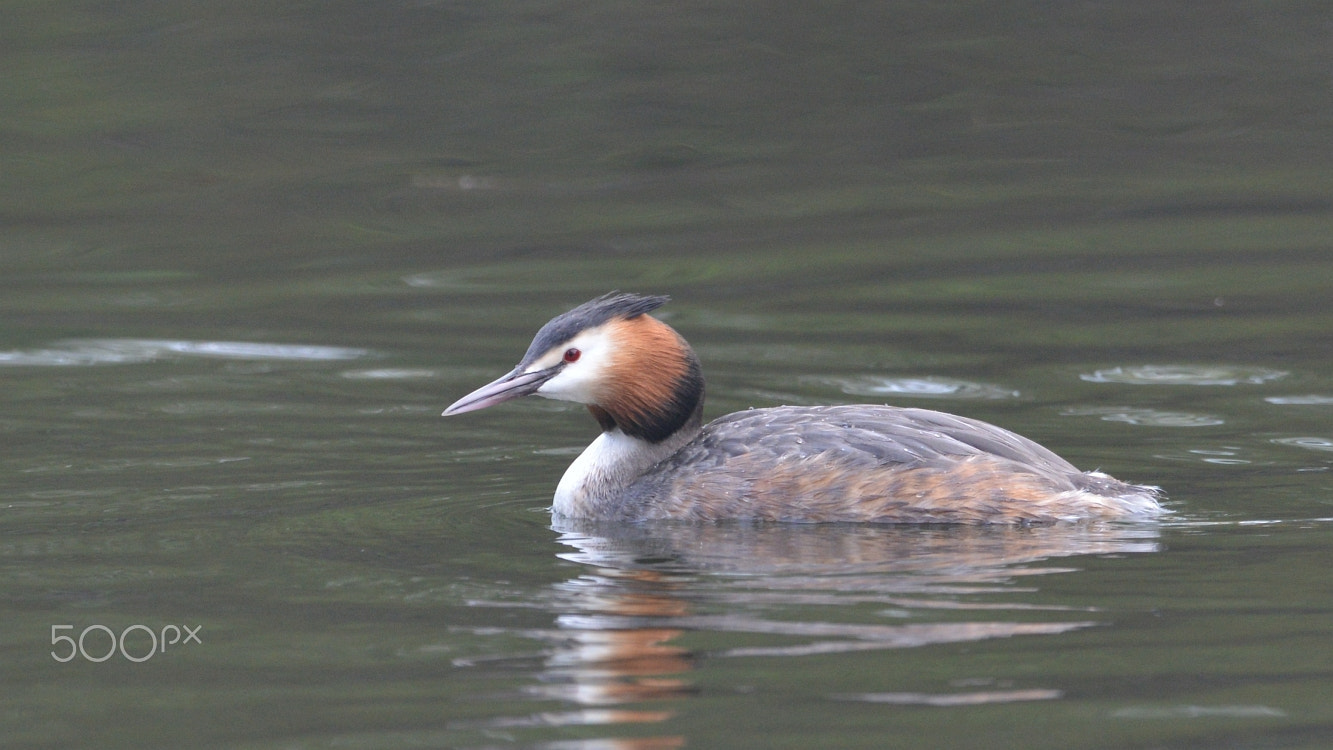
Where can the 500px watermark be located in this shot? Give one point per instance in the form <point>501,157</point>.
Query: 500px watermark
<point>139,649</point>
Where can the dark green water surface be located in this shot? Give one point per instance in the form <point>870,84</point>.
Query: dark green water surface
<point>249,251</point>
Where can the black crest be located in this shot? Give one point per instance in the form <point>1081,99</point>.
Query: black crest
<point>590,314</point>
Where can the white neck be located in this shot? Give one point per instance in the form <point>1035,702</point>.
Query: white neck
<point>594,483</point>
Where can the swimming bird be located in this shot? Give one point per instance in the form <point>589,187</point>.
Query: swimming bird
<point>655,459</point>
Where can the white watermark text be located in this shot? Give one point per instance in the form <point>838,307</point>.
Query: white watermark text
<point>137,643</point>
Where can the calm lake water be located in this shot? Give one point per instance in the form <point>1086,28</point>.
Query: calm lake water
<point>250,251</point>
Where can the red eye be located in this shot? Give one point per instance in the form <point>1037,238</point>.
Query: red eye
<point>572,354</point>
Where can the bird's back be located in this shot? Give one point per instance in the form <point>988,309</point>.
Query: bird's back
<point>872,463</point>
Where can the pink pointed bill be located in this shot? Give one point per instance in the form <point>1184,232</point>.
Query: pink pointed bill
<point>507,388</point>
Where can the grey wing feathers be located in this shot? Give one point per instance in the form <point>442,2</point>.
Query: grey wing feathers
<point>986,438</point>
<point>872,463</point>
<point>876,435</point>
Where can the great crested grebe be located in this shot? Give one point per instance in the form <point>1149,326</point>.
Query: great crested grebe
<point>655,459</point>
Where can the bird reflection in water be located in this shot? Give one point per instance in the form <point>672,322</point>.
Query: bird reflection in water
<point>645,585</point>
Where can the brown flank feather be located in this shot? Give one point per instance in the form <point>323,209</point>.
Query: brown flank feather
<point>977,489</point>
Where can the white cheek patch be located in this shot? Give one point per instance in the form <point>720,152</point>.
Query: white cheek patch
<point>578,381</point>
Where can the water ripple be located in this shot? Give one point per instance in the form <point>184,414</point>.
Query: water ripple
<point>1306,400</point>
<point>1184,375</point>
<point>1199,712</point>
<point>397,373</point>
<point>1309,443</point>
<point>1226,455</point>
<point>1145,417</point>
<point>87,352</point>
<point>953,699</point>
<point>927,387</point>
